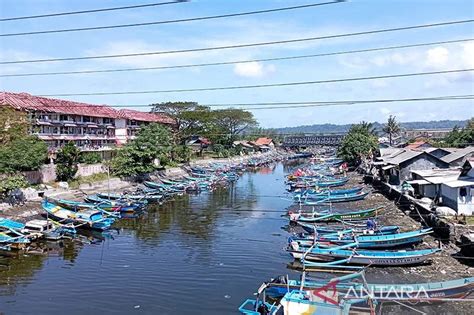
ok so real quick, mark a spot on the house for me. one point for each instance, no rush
(198, 143)
(264, 144)
(91, 127)
(459, 156)
(395, 168)
(244, 145)
(427, 183)
(426, 133)
(459, 194)
(438, 152)
(452, 187)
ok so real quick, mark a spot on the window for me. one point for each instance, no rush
(86, 119)
(463, 191)
(63, 117)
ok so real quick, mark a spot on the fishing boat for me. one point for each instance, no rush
(94, 219)
(350, 254)
(357, 230)
(319, 300)
(123, 205)
(334, 216)
(364, 240)
(419, 292)
(11, 236)
(312, 192)
(322, 199)
(77, 205)
(336, 182)
(135, 198)
(48, 229)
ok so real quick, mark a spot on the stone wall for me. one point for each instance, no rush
(47, 173)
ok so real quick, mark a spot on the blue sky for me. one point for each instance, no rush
(351, 16)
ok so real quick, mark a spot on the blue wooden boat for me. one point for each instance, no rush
(321, 199)
(320, 183)
(365, 240)
(11, 236)
(350, 254)
(163, 187)
(312, 192)
(123, 205)
(383, 230)
(77, 205)
(419, 292)
(135, 198)
(93, 219)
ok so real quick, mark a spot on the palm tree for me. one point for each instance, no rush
(368, 127)
(391, 128)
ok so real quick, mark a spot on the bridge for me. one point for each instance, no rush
(313, 140)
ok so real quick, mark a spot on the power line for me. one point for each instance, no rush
(277, 105)
(91, 11)
(202, 18)
(242, 45)
(241, 87)
(239, 61)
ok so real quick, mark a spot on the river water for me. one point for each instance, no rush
(200, 254)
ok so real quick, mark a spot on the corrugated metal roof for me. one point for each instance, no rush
(460, 183)
(403, 156)
(457, 154)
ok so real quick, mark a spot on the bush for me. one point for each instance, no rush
(90, 158)
(67, 160)
(11, 183)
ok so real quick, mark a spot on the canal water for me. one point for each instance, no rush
(200, 254)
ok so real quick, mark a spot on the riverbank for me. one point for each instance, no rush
(32, 207)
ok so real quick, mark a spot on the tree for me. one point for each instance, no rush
(19, 151)
(233, 121)
(461, 137)
(357, 144)
(391, 128)
(190, 117)
(153, 143)
(67, 159)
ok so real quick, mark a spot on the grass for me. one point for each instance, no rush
(76, 182)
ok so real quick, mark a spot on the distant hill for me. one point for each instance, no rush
(332, 128)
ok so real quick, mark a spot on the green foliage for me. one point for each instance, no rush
(67, 159)
(18, 150)
(13, 125)
(357, 144)
(391, 128)
(25, 153)
(233, 121)
(12, 182)
(461, 137)
(90, 158)
(183, 153)
(153, 142)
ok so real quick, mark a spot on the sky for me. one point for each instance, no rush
(345, 17)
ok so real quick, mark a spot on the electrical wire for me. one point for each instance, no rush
(298, 40)
(241, 87)
(90, 11)
(202, 18)
(238, 61)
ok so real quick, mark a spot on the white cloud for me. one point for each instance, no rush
(253, 69)
(437, 57)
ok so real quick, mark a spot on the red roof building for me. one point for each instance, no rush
(264, 141)
(90, 126)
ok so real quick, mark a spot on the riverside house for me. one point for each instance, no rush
(91, 127)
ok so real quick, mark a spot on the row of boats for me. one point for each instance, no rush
(346, 242)
(64, 218)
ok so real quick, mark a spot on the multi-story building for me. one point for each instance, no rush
(90, 127)
(426, 133)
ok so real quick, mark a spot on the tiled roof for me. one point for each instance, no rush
(143, 116)
(27, 102)
(263, 141)
(416, 145)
